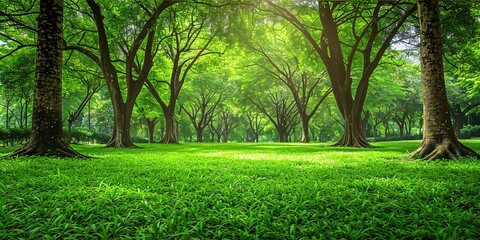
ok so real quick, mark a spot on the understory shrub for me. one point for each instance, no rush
(470, 131)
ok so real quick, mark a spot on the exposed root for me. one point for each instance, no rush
(120, 144)
(449, 150)
(62, 151)
(167, 140)
(352, 141)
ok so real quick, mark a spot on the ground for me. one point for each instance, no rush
(240, 191)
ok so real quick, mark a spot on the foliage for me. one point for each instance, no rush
(240, 191)
(81, 135)
(470, 131)
(14, 135)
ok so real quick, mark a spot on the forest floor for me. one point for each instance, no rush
(240, 191)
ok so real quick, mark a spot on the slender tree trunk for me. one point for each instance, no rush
(386, 126)
(439, 140)
(400, 131)
(69, 133)
(365, 122)
(7, 117)
(151, 128)
(47, 131)
(89, 114)
(458, 120)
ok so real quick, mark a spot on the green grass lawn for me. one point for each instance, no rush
(240, 191)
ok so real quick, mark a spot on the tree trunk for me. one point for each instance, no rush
(400, 131)
(199, 134)
(458, 120)
(89, 114)
(170, 130)
(69, 133)
(386, 126)
(365, 122)
(439, 140)
(47, 130)
(282, 135)
(151, 128)
(353, 135)
(305, 130)
(122, 114)
(7, 117)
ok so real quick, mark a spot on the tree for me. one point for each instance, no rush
(439, 140)
(201, 111)
(302, 86)
(380, 24)
(137, 38)
(281, 111)
(47, 131)
(183, 48)
(256, 125)
(90, 81)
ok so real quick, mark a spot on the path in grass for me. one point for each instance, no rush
(240, 191)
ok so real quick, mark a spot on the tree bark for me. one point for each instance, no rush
(353, 135)
(170, 130)
(151, 128)
(305, 129)
(47, 131)
(439, 140)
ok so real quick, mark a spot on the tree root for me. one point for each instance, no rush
(62, 151)
(450, 150)
(120, 144)
(167, 140)
(352, 141)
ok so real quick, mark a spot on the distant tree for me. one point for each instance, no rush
(281, 111)
(302, 86)
(136, 41)
(256, 124)
(439, 140)
(372, 26)
(201, 111)
(189, 41)
(85, 79)
(47, 131)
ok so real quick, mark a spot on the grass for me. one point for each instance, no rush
(240, 191)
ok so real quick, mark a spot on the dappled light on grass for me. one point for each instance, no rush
(264, 191)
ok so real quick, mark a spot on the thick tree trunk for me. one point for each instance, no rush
(282, 135)
(439, 140)
(199, 134)
(170, 130)
(353, 135)
(122, 114)
(305, 130)
(47, 131)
